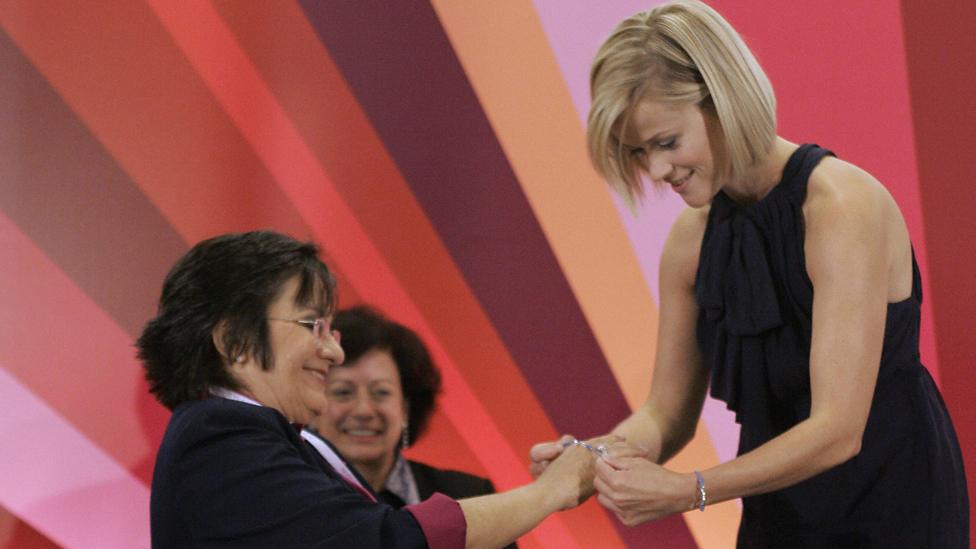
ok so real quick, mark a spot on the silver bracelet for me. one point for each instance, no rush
(599, 450)
(702, 496)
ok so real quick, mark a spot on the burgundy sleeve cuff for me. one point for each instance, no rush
(442, 522)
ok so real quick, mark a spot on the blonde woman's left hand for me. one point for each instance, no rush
(638, 490)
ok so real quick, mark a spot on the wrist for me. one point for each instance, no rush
(549, 496)
(700, 492)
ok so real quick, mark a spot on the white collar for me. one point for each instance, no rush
(229, 394)
(331, 456)
(402, 483)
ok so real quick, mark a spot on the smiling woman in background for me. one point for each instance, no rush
(239, 351)
(380, 401)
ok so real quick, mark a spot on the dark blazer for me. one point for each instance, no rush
(231, 474)
(455, 484)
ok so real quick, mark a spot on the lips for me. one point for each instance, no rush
(679, 182)
(361, 432)
(678, 185)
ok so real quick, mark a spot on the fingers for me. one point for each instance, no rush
(548, 451)
(609, 504)
(604, 468)
(617, 446)
(542, 454)
(569, 477)
(536, 468)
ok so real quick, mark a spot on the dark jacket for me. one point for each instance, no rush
(231, 474)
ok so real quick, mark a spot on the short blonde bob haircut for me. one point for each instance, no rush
(681, 51)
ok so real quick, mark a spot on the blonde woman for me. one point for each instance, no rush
(789, 287)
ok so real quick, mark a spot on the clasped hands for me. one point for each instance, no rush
(626, 481)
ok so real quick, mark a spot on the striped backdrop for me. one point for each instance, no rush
(436, 152)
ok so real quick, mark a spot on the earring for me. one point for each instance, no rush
(405, 436)
(239, 359)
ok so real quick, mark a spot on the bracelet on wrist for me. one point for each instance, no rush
(702, 496)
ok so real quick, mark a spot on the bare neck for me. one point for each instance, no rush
(764, 177)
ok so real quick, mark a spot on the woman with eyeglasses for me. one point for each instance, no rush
(240, 351)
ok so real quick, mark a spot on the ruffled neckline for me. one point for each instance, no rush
(747, 256)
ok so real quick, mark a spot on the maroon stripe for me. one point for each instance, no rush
(941, 49)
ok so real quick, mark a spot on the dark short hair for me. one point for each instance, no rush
(363, 329)
(232, 279)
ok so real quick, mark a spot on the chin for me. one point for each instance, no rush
(696, 202)
(362, 455)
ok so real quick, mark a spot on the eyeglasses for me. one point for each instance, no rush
(319, 327)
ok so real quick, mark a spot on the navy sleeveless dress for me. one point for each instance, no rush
(906, 487)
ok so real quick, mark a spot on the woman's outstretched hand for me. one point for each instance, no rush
(638, 490)
(578, 470)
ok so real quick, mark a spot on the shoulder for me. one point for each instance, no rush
(840, 194)
(853, 226)
(455, 484)
(223, 412)
(218, 420)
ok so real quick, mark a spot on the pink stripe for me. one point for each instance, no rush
(226, 70)
(59, 482)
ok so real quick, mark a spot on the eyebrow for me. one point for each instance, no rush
(656, 137)
(310, 309)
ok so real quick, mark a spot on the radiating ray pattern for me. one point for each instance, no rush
(435, 150)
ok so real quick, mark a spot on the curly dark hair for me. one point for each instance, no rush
(230, 279)
(364, 329)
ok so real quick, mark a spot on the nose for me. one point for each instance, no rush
(658, 167)
(362, 406)
(329, 350)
